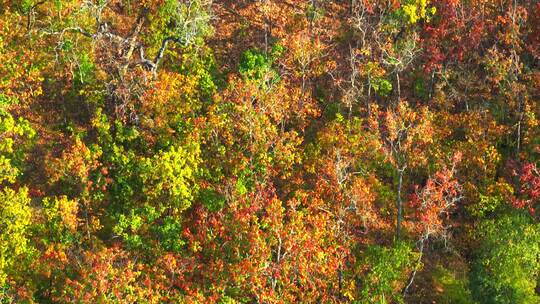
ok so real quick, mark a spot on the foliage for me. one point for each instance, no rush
(416, 10)
(382, 86)
(386, 269)
(257, 66)
(169, 177)
(506, 266)
(15, 135)
(309, 151)
(455, 289)
(15, 219)
(61, 220)
(188, 21)
(530, 188)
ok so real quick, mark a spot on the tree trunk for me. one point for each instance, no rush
(399, 205)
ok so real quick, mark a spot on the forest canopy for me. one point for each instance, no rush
(270, 151)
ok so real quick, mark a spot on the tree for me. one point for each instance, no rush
(15, 215)
(433, 204)
(212, 151)
(15, 211)
(506, 267)
(387, 268)
(529, 191)
(406, 134)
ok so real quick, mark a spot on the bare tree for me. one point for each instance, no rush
(119, 55)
